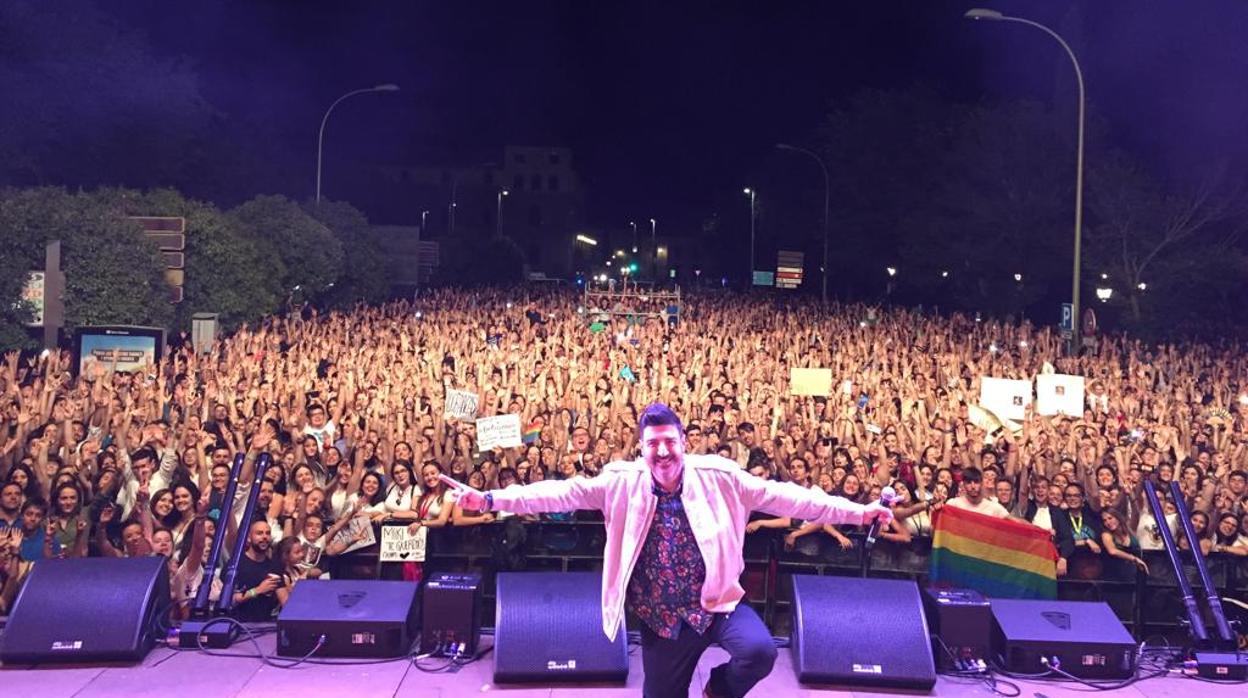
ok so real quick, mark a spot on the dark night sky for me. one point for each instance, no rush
(668, 105)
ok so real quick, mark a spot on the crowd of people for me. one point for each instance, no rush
(351, 408)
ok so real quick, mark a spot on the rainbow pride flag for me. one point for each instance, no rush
(531, 433)
(996, 557)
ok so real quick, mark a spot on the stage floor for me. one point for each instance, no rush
(168, 672)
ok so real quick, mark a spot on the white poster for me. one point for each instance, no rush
(357, 534)
(1059, 393)
(398, 544)
(502, 431)
(810, 381)
(1005, 397)
(461, 404)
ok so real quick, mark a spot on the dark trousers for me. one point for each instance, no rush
(669, 664)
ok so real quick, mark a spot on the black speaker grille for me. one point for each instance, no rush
(86, 609)
(867, 632)
(549, 628)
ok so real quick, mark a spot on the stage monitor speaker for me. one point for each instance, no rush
(357, 617)
(450, 622)
(87, 610)
(860, 632)
(961, 625)
(549, 628)
(1084, 636)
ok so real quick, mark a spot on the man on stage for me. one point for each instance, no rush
(675, 531)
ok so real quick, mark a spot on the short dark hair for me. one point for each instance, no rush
(657, 414)
(972, 475)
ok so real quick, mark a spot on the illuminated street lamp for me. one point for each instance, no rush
(980, 13)
(1104, 294)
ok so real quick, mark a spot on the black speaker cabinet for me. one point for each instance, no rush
(549, 628)
(451, 618)
(87, 609)
(961, 625)
(860, 632)
(1085, 637)
(358, 617)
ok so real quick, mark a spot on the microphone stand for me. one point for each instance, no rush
(202, 608)
(1195, 621)
(864, 565)
(1226, 639)
(195, 632)
(1217, 659)
(240, 541)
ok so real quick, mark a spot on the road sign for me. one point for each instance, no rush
(168, 233)
(1089, 322)
(1068, 320)
(789, 268)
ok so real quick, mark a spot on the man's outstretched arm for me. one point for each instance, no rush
(537, 498)
(810, 504)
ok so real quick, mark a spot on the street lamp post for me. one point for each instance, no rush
(320, 136)
(654, 252)
(827, 200)
(634, 227)
(498, 218)
(993, 15)
(749, 279)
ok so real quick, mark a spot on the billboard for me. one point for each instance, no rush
(136, 348)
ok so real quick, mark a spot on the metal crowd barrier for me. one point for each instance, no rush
(1147, 604)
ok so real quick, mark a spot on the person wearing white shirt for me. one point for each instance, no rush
(402, 493)
(972, 496)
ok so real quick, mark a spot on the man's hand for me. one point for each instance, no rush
(468, 497)
(269, 585)
(877, 512)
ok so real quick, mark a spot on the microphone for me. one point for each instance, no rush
(887, 496)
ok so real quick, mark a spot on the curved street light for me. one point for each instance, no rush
(320, 136)
(980, 13)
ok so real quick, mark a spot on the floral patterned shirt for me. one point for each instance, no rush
(666, 585)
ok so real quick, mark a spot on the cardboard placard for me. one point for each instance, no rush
(810, 381)
(398, 544)
(501, 431)
(360, 526)
(1007, 398)
(1059, 393)
(461, 404)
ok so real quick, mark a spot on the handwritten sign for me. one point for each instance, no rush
(398, 544)
(461, 404)
(357, 534)
(502, 431)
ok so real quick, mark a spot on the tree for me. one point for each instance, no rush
(1161, 248)
(304, 253)
(1000, 203)
(113, 274)
(365, 276)
(927, 185)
